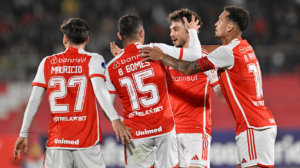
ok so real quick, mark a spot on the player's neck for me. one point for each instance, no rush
(80, 46)
(227, 39)
(127, 43)
(187, 43)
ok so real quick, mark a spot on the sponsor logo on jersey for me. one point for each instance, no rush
(80, 118)
(243, 50)
(116, 64)
(181, 78)
(66, 69)
(129, 59)
(64, 141)
(54, 60)
(74, 60)
(147, 112)
(146, 132)
(103, 65)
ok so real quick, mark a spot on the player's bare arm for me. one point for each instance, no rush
(156, 54)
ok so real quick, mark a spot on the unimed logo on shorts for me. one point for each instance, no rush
(64, 141)
(146, 132)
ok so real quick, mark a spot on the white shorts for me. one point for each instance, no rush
(256, 147)
(194, 150)
(158, 152)
(64, 158)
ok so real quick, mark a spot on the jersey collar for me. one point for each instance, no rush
(73, 50)
(236, 39)
(132, 46)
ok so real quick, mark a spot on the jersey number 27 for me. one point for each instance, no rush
(62, 92)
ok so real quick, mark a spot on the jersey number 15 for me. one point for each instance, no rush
(137, 84)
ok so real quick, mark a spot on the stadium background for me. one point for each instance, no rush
(29, 31)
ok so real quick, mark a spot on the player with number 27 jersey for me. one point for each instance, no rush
(74, 118)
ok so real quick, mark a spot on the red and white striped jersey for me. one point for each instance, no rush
(241, 83)
(74, 121)
(190, 98)
(142, 88)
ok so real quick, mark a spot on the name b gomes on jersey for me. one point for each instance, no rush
(131, 67)
(66, 69)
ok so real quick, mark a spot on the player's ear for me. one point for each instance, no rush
(119, 35)
(87, 40)
(142, 33)
(65, 39)
(230, 27)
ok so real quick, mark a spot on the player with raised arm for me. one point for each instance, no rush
(143, 92)
(190, 98)
(73, 79)
(241, 83)
(189, 95)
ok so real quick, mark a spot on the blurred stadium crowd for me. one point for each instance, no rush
(29, 29)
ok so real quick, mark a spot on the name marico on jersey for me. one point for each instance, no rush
(66, 69)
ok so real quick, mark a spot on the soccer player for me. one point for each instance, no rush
(143, 92)
(190, 99)
(73, 79)
(189, 95)
(241, 83)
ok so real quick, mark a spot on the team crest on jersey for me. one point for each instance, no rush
(54, 60)
(116, 64)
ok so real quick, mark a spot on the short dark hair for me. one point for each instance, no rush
(239, 16)
(179, 14)
(129, 26)
(77, 30)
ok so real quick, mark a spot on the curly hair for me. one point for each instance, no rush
(129, 25)
(239, 16)
(179, 14)
(77, 30)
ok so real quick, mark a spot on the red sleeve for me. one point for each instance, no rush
(181, 53)
(214, 84)
(112, 92)
(39, 84)
(97, 75)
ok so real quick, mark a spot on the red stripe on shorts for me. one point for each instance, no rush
(253, 141)
(248, 139)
